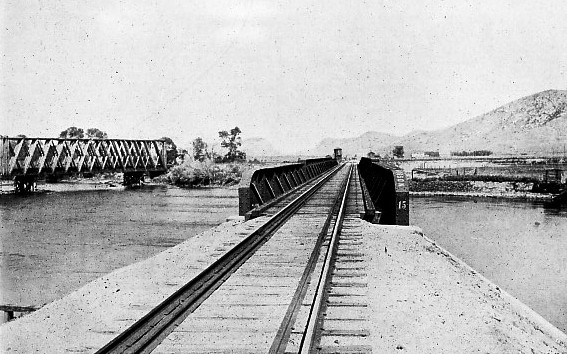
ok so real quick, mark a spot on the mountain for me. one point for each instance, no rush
(258, 147)
(536, 124)
(533, 124)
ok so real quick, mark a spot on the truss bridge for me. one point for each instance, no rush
(24, 160)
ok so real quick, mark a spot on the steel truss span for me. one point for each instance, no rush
(34, 157)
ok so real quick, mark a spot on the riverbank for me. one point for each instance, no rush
(7, 187)
(477, 189)
(191, 174)
(503, 195)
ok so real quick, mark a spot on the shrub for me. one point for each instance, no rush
(197, 173)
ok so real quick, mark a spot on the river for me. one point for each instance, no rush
(53, 243)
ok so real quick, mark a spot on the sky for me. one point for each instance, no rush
(291, 71)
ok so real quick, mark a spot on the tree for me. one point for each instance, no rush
(232, 142)
(95, 133)
(21, 136)
(181, 154)
(199, 149)
(171, 150)
(398, 152)
(72, 133)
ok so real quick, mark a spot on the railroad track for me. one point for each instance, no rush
(288, 280)
(330, 317)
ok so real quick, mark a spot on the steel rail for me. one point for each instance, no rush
(145, 334)
(308, 341)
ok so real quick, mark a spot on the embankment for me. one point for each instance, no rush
(429, 301)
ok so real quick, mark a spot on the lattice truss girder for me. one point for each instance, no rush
(48, 156)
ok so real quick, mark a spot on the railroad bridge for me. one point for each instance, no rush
(324, 263)
(24, 160)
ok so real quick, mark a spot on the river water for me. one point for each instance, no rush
(520, 246)
(53, 243)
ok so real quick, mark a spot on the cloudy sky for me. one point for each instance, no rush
(292, 71)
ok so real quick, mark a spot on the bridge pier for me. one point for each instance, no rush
(24, 184)
(133, 179)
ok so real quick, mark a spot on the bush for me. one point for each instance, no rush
(196, 173)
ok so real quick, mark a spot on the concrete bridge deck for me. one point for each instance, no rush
(395, 291)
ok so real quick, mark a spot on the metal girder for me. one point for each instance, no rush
(388, 190)
(265, 185)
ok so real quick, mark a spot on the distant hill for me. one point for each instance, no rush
(535, 124)
(258, 148)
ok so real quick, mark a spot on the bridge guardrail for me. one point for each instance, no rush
(388, 189)
(259, 188)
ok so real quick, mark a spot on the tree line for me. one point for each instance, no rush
(79, 133)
